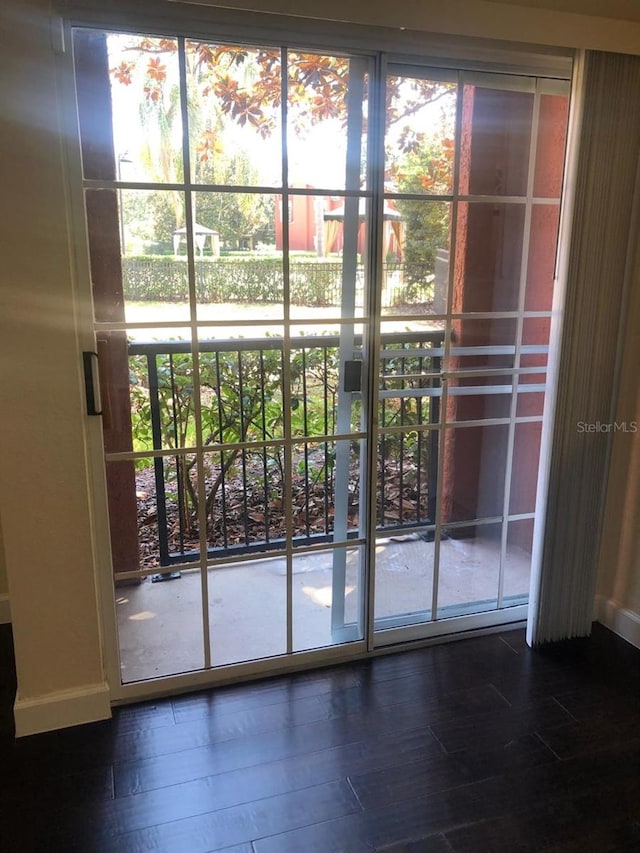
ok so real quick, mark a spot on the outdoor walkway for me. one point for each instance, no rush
(160, 624)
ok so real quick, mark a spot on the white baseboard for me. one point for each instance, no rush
(61, 709)
(625, 623)
(5, 609)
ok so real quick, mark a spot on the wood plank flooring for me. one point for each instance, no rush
(471, 747)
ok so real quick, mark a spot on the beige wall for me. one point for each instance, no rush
(626, 10)
(3, 568)
(43, 488)
(619, 575)
(44, 496)
(533, 21)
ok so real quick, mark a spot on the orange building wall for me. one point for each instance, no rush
(489, 242)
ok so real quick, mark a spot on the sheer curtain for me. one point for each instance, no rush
(594, 267)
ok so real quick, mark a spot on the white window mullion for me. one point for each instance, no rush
(444, 364)
(351, 230)
(375, 182)
(195, 355)
(286, 350)
(522, 294)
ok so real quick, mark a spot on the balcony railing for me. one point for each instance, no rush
(241, 402)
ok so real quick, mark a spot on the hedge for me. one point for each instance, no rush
(153, 278)
(164, 279)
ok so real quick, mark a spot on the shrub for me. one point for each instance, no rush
(254, 279)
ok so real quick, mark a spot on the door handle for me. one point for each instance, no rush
(92, 383)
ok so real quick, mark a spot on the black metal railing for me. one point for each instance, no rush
(242, 405)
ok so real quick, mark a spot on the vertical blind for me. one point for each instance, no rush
(604, 229)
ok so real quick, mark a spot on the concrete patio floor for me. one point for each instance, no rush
(160, 624)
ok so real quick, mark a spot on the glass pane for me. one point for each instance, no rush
(129, 107)
(244, 495)
(415, 276)
(153, 512)
(524, 471)
(160, 627)
(474, 472)
(320, 405)
(120, 420)
(469, 570)
(318, 121)
(482, 344)
(248, 611)
(241, 388)
(488, 257)
(146, 283)
(234, 114)
(409, 358)
(407, 479)
(517, 562)
(155, 276)
(533, 356)
(404, 579)
(530, 403)
(495, 141)
(417, 403)
(419, 138)
(127, 510)
(148, 401)
(552, 135)
(327, 593)
(535, 333)
(479, 398)
(161, 390)
(147, 117)
(409, 395)
(327, 246)
(543, 240)
(325, 487)
(316, 284)
(238, 246)
(105, 227)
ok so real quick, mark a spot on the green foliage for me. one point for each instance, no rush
(241, 219)
(241, 401)
(410, 451)
(426, 229)
(221, 280)
(426, 223)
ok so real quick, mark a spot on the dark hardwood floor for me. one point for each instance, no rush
(479, 745)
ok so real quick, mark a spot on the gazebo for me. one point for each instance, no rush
(392, 223)
(200, 236)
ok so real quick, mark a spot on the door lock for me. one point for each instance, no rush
(352, 376)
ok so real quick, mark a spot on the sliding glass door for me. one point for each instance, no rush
(474, 177)
(229, 262)
(321, 300)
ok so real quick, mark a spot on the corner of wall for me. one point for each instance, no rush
(623, 622)
(61, 709)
